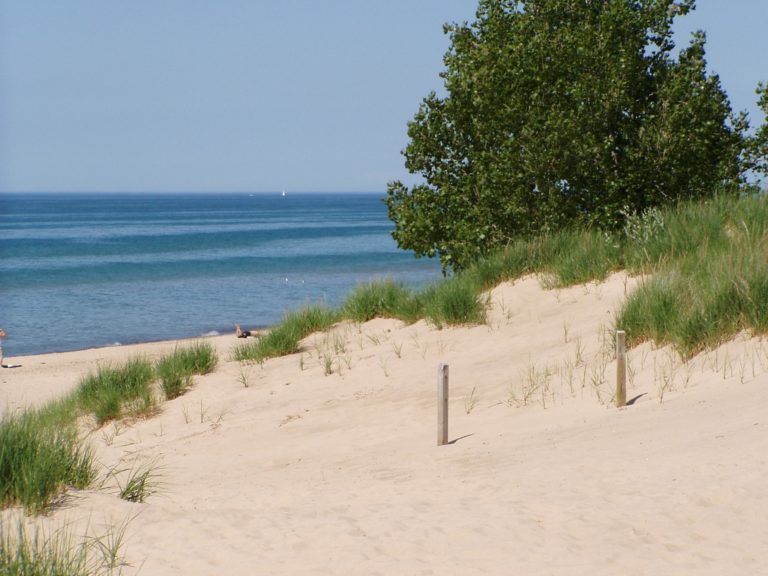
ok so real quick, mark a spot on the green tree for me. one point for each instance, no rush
(757, 154)
(562, 113)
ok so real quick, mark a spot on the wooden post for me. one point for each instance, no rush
(621, 369)
(442, 404)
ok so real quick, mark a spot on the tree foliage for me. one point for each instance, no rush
(757, 154)
(560, 113)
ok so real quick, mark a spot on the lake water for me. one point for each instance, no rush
(85, 270)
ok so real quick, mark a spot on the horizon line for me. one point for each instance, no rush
(286, 191)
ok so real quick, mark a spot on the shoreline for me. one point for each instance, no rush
(44, 377)
(8, 343)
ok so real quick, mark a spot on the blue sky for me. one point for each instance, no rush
(250, 95)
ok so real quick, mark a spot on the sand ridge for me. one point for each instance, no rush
(306, 472)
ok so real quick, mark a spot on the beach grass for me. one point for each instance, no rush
(40, 451)
(284, 338)
(381, 299)
(112, 392)
(26, 551)
(453, 302)
(174, 378)
(140, 482)
(39, 554)
(580, 256)
(707, 276)
(176, 370)
(39, 459)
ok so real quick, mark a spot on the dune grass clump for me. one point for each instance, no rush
(176, 370)
(381, 299)
(175, 378)
(138, 487)
(111, 392)
(512, 262)
(199, 357)
(690, 312)
(284, 338)
(563, 258)
(39, 459)
(453, 302)
(578, 256)
(709, 276)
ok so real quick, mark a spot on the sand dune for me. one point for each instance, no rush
(303, 472)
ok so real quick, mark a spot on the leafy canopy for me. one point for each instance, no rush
(560, 113)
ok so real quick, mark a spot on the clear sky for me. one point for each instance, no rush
(250, 95)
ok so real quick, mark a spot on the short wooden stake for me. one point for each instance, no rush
(621, 369)
(442, 404)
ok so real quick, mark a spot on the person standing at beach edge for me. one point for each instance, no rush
(2, 359)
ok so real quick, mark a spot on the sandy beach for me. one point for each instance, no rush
(282, 468)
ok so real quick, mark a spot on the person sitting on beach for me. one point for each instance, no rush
(244, 333)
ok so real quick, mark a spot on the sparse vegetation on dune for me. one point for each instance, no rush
(703, 263)
(40, 451)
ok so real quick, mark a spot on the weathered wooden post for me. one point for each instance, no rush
(442, 404)
(621, 369)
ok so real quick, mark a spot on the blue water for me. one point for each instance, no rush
(85, 270)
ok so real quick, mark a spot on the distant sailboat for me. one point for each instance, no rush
(282, 193)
